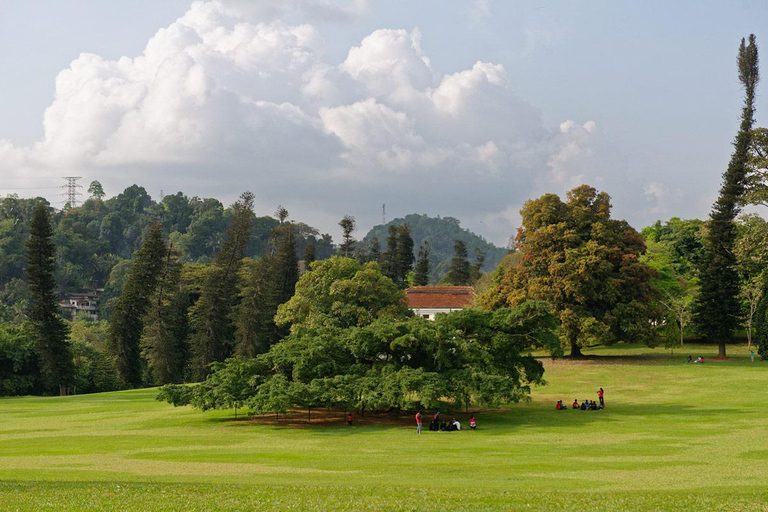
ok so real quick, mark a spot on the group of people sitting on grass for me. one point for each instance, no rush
(699, 359)
(441, 426)
(586, 405)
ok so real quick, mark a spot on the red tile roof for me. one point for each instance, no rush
(454, 297)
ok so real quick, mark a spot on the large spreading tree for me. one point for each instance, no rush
(718, 309)
(586, 265)
(48, 328)
(353, 345)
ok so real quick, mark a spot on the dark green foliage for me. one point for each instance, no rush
(285, 268)
(374, 251)
(460, 272)
(266, 284)
(165, 326)
(255, 327)
(18, 361)
(94, 368)
(127, 323)
(309, 255)
(398, 259)
(760, 322)
(405, 257)
(421, 272)
(718, 308)
(441, 234)
(213, 331)
(48, 329)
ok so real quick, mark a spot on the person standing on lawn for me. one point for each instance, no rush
(600, 396)
(418, 422)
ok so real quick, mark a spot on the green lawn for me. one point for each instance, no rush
(674, 436)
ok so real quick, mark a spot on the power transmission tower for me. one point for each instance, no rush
(71, 189)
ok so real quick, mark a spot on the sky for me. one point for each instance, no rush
(332, 107)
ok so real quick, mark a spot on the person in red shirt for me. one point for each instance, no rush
(600, 396)
(349, 419)
(418, 423)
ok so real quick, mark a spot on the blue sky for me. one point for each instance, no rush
(656, 80)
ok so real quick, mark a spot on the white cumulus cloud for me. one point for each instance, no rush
(231, 96)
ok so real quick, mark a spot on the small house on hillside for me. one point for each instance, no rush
(428, 301)
(82, 304)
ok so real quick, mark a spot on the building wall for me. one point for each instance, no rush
(429, 313)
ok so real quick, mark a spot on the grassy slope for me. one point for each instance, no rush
(674, 437)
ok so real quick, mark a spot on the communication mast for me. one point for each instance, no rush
(71, 189)
(384, 213)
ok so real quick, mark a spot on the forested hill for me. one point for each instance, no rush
(441, 233)
(96, 236)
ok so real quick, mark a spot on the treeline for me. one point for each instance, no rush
(96, 240)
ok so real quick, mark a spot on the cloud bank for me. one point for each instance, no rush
(232, 97)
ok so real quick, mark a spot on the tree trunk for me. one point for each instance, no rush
(62, 390)
(576, 351)
(309, 414)
(721, 351)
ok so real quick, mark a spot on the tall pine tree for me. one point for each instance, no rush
(127, 323)
(421, 272)
(718, 307)
(163, 339)
(389, 258)
(213, 331)
(404, 254)
(48, 328)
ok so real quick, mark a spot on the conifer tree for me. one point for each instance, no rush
(285, 266)
(211, 317)
(718, 307)
(309, 255)
(374, 253)
(389, 258)
(421, 271)
(404, 254)
(347, 247)
(163, 338)
(459, 272)
(127, 324)
(48, 328)
(255, 312)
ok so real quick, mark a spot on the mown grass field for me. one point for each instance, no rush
(674, 436)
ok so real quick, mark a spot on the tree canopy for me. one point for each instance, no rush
(586, 265)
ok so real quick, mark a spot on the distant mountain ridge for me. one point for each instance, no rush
(441, 233)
